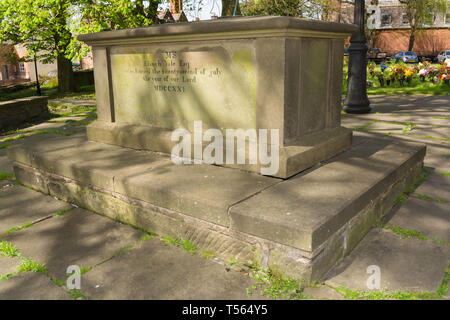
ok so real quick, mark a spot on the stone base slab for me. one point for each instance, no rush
(295, 157)
(301, 226)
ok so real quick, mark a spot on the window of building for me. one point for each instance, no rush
(405, 20)
(22, 67)
(19, 48)
(386, 20)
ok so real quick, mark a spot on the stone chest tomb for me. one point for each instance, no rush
(274, 73)
(237, 73)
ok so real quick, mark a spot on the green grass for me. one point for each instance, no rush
(185, 244)
(208, 254)
(407, 233)
(435, 138)
(445, 174)
(276, 286)
(51, 91)
(415, 87)
(4, 145)
(428, 198)
(14, 229)
(384, 295)
(61, 212)
(32, 266)
(6, 276)
(35, 133)
(5, 176)
(7, 249)
(77, 294)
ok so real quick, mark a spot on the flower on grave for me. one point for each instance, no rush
(444, 77)
(423, 72)
(383, 66)
(409, 74)
(369, 83)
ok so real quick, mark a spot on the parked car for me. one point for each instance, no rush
(376, 55)
(405, 56)
(443, 55)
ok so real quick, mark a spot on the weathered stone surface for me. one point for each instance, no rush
(168, 77)
(77, 238)
(322, 293)
(144, 198)
(31, 286)
(405, 264)
(19, 205)
(203, 191)
(436, 186)
(8, 265)
(307, 209)
(5, 164)
(157, 271)
(429, 217)
(19, 111)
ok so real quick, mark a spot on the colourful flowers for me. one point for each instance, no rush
(390, 72)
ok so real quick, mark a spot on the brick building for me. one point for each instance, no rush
(394, 31)
(12, 71)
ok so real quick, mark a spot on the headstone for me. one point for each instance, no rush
(273, 73)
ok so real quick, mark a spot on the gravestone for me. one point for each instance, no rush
(238, 73)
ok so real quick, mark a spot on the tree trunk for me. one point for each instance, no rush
(65, 74)
(411, 39)
(228, 8)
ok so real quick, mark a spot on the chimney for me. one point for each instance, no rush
(176, 6)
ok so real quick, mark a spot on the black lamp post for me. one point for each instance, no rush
(38, 87)
(356, 100)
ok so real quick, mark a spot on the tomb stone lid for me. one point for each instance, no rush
(225, 28)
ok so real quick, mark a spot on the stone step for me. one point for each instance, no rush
(301, 225)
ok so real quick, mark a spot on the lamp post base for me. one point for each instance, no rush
(358, 109)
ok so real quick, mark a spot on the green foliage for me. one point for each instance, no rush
(7, 249)
(384, 295)
(77, 294)
(276, 285)
(5, 175)
(61, 212)
(31, 265)
(14, 229)
(315, 9)
(208, 254)
(185, 244)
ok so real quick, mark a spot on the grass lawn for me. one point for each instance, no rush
(415, 87)
(51, 91)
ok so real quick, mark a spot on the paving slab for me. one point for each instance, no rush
(405, 264)
(5, 163)
(20, 205)
(158, 271)
(8, 265)
(429, 217)
(31, 286)
(73, 102)
(78, 237)
(438, 162)
(436, 186)
(323, 293)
